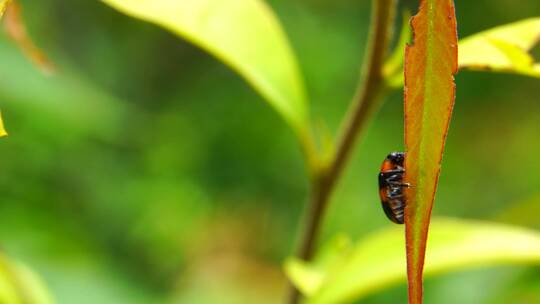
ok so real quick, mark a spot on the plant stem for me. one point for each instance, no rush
(371, 88)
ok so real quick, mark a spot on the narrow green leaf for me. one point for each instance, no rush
(377, 261)
(503, 49)
(244, 34)
(430, 65)
(3, 6)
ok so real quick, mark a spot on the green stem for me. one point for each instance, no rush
(371, 89)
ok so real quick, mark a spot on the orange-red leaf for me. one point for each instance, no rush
(430, 64)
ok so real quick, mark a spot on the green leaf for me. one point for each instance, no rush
(3, 6)
(430, 65)
(2, 129)
(244, 34)
(503, 49)
(309, 279)
(20, 285)
(377, 261)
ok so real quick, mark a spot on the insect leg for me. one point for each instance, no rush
(398, 184)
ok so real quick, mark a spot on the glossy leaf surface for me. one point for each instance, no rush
(231, 30)
(503, 49)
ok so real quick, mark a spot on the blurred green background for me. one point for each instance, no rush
(146, 171)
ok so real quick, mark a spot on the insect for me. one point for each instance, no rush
(391, 187)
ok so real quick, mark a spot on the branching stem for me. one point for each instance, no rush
(371, 87)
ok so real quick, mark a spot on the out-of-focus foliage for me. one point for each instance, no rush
(503, 49)
(2, 130)
(244, 34)
(3, 5)
(378, 261)
(16, 29)
(522, 212)
(20, 285)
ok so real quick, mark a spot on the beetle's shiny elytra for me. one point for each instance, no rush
(391, 187)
